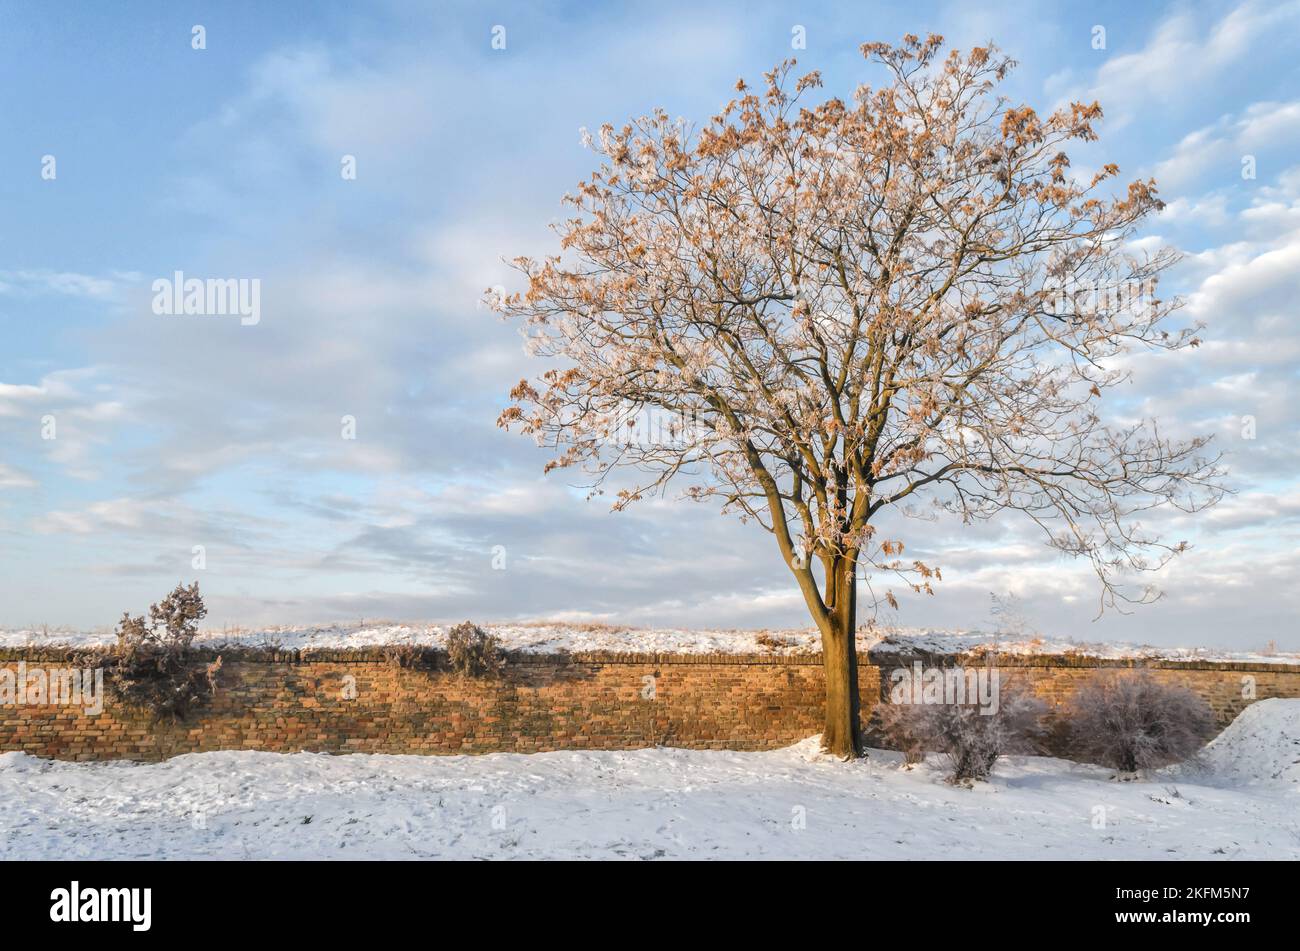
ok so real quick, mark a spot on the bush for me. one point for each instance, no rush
(1134, 722)
(473, 652)
(407, 656)
(901, 728)
(151, 667)
(773, 642)
(970, 739)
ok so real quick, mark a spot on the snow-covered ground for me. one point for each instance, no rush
(1242, 803)
(548, 637)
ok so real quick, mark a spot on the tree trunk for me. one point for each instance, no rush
(842, 735)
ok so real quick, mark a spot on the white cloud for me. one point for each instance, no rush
(11, 478)
(66, 283)
(1183, 57)
(1221, 147)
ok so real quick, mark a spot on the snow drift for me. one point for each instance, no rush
(1262, 745)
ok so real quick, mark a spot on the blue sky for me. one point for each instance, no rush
(225, 162)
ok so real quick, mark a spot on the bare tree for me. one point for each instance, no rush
(846, 306)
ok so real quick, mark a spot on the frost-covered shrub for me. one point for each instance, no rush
(970, 737)
(151, 666)
(474, 653)
(973, 740)
(1133, 722)
(406, 656)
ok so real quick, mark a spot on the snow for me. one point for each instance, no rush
(957, 642)
(530, 637)
(654, 804)
(544, 637)
(1261, 746)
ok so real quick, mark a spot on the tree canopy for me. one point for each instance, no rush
(848, 306)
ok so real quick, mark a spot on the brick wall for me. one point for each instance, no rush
(359, 701)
